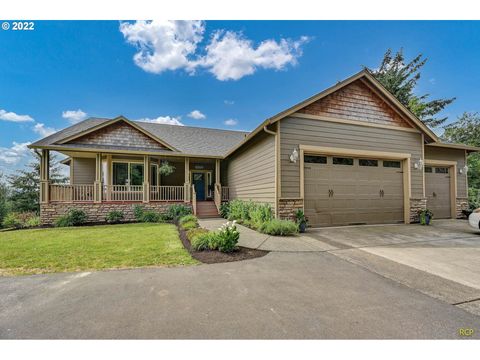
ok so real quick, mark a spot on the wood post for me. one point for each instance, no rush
(44, 176)
(97, 186)
(109, 177)
(146, 178)
(217, 172)
(187, 180)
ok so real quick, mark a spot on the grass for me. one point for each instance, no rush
(91, 248)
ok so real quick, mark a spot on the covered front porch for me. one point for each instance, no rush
(135, 178)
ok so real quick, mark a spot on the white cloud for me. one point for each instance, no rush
(164, 45)
(231, 56)
(228, 102)
(172, 45)
(43, 130)
(231, 122)
(14, 154)
(74, 116)
(11, 116)
(169, 120)
(197, 115)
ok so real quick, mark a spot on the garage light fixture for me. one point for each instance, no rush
(418, 165)
(294, 155)
(463, 170)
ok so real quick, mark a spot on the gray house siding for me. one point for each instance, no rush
(251, 171)
(436, 153)
(295, 131)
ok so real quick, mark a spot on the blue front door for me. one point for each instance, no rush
(199, 183)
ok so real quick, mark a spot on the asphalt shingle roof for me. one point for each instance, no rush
(186, 139)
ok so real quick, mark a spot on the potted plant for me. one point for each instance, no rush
(301, 220)
(425, 216)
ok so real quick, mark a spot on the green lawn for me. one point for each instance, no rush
(91, 248)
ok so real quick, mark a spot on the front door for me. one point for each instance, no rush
(199, 183)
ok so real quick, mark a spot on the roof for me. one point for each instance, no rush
(363, 75)
(189, 140)
(468, 148)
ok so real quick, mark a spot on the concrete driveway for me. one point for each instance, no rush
(313, 295)
(446, 256)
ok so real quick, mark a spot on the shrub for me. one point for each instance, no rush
(138, 211)
(225, 210)
(176, 211)
(12, 220)
(240, 210)
(260, 213)
(189, 225)
(74, 217)
(33, 221)
(204, 241)
(114, 217)
(187, 218)
(193, 233)
(227, 237)
(150, 216)
(279, 227)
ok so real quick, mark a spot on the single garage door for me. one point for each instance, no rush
(437, 191)
(344, 190)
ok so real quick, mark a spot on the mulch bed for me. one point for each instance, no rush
(213, 256)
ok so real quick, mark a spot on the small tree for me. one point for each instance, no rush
(400, 78)
(25, 185)
(3, 199)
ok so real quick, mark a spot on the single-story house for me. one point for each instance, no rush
(351, 154)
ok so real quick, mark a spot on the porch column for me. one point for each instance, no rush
(217, 172)
(44, 177)
(146, 178)
(97, 186)
(108, 177)
(186, 184)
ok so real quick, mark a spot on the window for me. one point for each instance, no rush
(120, 173)
(153, 175)
(391, 164)
(441, 170)
(428, 169)
(136, 174)
(367, 162)
(311, 159)
(342, 161)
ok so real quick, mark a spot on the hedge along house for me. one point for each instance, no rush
(351, 154)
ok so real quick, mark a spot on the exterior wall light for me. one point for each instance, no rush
(418, 165)
(463, 170)
(294, 155)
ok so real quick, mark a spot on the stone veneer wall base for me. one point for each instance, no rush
(416, 204)
(462, 204)
(288, 207)
(96, 212)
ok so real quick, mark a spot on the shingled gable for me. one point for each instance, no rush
(364, 90)
(118, 132)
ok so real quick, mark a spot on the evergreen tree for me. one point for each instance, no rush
(400, 78)
(3, 199)
(25, 185)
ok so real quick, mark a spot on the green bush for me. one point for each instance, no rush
(150, 217)
(189, 225)
(204, 241)
(114, 217)
(240, 210)
(138, 211)
(260, 213)
(227, 237)
(249, 213)
(225, 210)
(74, 217)
(12, 220)
(176, 211)
(187, 218)
(33, 221)
(193, 233)
(279, 227)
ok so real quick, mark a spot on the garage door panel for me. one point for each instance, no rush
(356, 197)
(437, 191)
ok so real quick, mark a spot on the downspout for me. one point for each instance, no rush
(269, 131)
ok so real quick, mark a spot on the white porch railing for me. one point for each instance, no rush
(122, 193)
(71, 193)
(225, 193)
(167, 193)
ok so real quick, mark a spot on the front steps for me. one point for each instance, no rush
(206, 209)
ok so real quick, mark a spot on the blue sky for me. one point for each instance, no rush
(234, 73)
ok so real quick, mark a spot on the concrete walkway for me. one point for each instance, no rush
(254, 240)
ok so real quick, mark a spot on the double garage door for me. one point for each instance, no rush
(347, 190)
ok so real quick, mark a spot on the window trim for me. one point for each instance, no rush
(125, 162)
